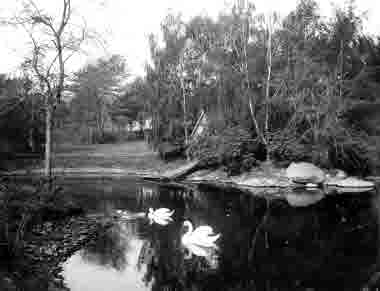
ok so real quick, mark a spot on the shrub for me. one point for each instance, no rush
(21, 209)
(169, 151)
(105, 137)
(232, 148)
(355, 153)
(337, 147)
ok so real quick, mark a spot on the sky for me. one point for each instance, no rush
(126, 24)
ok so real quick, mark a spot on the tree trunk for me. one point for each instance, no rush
(184, 109)
(185, 115)
(31, 140)
(48, 134)
(185, 119)
(89, 139)
(219, 99)
(31, 129)
(341, 58)
(267, 89)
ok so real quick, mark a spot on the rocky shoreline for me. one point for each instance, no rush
(297, 175)
(263, 176)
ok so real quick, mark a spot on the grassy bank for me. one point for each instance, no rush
(130, 157)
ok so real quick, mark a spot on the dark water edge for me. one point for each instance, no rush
(266, 244)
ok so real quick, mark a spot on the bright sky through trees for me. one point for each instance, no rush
(125, 25)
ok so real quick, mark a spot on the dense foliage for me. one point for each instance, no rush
(232, 147)
(94, 89)
(291, 84)
(23, 207)
(21, 117)
(301, 87)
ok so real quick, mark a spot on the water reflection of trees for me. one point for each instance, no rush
(268, 244)
(168, 264)
(313, 245)
(373, 273)
(111, 246)
(170, 196)
(167, 267)
(265, 245)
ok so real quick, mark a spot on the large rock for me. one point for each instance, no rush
(340, 174)
(348, 185)
(332, 181)
(352, 182)
(305, 173)
(348, 190)
(264, 182)
(334, 177)
(267, 177)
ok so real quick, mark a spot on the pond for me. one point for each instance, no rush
(265, 243)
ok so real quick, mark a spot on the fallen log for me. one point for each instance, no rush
(180, 172)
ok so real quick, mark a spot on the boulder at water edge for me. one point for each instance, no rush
(352, 182)
(351, 190)
(340, 174)
(305, 173)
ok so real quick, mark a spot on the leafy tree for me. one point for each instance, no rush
(292, 83)
(132, 104)
(95, 88)
(163, 81)
(19, 118)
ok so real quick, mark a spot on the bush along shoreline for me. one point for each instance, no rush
(232, 156)
(269, 175)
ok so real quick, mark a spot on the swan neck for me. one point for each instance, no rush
(190, 228)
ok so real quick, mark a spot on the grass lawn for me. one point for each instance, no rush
(134, 156)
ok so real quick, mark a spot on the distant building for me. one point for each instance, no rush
(147, 124)
(137, 126)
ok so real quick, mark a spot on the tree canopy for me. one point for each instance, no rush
(95, 88)
(288, 81)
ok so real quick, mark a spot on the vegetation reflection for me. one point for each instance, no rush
(265, 243)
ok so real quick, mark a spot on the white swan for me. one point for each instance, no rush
(201, 236)
(161, 216)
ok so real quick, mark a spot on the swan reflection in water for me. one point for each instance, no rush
(210, 254)
(162, 216)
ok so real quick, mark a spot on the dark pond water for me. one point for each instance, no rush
(265, 243)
